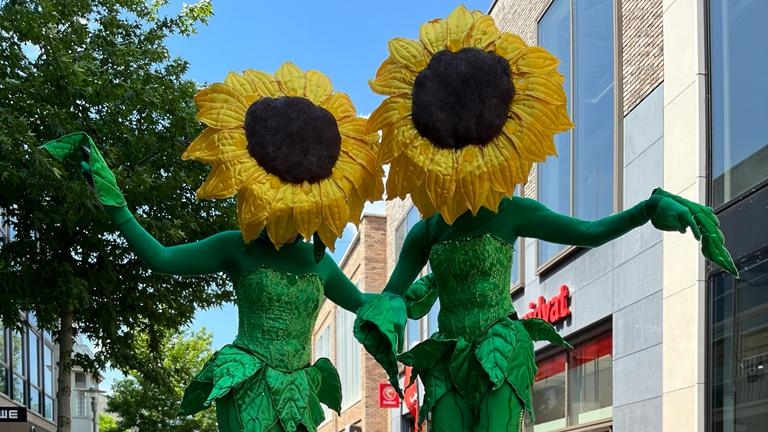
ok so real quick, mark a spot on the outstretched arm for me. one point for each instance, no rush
(534, 220)
(206, 256)
(210, 255)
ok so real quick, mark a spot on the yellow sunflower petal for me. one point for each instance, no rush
(434, 35)
(246, 87)
(388, 113)
(339, 105)
(221, 106)
(526, 140)
(441, 179)
(281, 226)
(483, 33)
(457, 26)
(227, 177)
(353, 127)
(404, 177)
(409, 53)
(253, 209)
(366, 180)
(393, 79)
(493, 199)
(540, 87)
(291, 79)
(317, 87)
(473, 176)
(307, 209)
(502, 177)
(402, 135)
(227, 144)
(421, 199)
(335, 210)
(264, 83)
(535, 60)
(510, 46)
(516, 163)
(328, 236)
(361, 155)
(199, 143)
(535, 113)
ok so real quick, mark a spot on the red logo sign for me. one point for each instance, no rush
(388, 397)
(552, 311)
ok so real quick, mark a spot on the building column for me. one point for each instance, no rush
(684, 295)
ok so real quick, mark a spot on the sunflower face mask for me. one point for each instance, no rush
(469, 110)
(293, 151)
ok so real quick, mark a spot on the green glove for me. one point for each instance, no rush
(79, 147)
(675, 213)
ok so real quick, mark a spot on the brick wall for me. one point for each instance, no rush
(642, 40)
(364, 264)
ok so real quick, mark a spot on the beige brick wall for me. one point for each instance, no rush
(365, 264)
(642, 41)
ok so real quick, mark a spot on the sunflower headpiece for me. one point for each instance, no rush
(469, 110)
(292, 149)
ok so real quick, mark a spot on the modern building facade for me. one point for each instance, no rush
(364, 263)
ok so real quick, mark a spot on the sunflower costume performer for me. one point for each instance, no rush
(469, 109)
(301, 165)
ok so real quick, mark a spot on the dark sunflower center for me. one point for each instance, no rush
(462, 98)
(292, 138)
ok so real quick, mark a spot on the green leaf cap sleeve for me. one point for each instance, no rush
(540, 330)
(379, 328)
(712, 240)
(80, 148)
(420, 297)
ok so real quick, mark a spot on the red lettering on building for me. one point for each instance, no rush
(552, 311)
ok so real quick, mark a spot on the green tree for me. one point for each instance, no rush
(99, 66)
(108, 423)
(151, 405)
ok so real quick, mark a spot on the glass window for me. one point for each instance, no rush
(411, 218)
(48, 370)
(413, 333)
(49, 408)
(738, 352)
(739, 97)
(17, 352)
(576, 387)
(34, 358)
(548, 394)
(348, 358)
(590, 380)
(515, 276)
(4, 372)
(579, 182)
(323, 350)
(432, 318)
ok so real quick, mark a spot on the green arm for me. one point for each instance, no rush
(210, 255)
(534, 220)
(204, 257)
(413, 258)
(338, 288)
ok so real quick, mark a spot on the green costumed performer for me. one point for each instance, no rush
(299, 160)
(469, 110)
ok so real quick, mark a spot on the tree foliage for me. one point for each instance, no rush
(152, 405)
(99, 66)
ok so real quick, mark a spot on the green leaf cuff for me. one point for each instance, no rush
(79, 147)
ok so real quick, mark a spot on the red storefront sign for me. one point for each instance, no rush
(388, 397)
(411, 395)
(552, 311)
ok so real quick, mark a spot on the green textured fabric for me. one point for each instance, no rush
(420, 297)
(278, 311)
(379, 327)
(79, 147)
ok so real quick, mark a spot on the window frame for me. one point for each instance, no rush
(594, 332)
(567, 251)
(344, 333)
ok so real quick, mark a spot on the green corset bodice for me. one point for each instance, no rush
(277, 312)
(472, 278)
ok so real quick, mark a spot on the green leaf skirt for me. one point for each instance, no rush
(254, 396)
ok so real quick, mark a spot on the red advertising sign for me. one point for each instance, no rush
(552, 311)
(411, 395)
(388, 397)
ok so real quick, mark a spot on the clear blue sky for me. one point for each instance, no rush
(346, 40)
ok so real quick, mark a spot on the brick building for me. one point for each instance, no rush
(365, 264)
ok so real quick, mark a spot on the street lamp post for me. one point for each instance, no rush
(94, 392)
